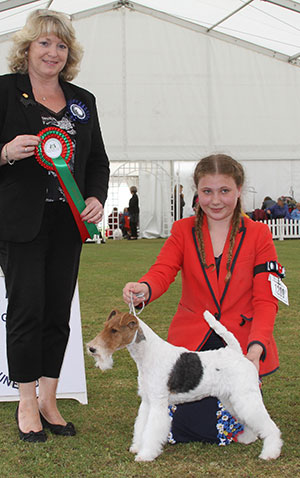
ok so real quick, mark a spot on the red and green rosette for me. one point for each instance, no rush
(53, 153)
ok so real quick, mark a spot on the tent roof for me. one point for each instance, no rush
(270, 26)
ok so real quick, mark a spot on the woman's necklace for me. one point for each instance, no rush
(39, 97)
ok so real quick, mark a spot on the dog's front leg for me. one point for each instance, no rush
(139, 426)
(156, 431)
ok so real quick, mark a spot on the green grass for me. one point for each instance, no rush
(100, 449)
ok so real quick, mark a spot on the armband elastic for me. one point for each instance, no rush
(270, 266)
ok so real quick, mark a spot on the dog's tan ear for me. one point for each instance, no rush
(113, 312)
(132, 324)
(129, 320)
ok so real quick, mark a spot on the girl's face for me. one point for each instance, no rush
(218, 195)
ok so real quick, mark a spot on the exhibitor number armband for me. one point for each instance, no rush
(276, 273)
(270, 266)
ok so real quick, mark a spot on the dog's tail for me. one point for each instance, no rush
(222, 331)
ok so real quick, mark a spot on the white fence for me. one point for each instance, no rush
(280, 228)
(284, 228)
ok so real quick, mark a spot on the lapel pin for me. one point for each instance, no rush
(26, 101)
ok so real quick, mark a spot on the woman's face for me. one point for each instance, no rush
(218, 195)
(47, 56)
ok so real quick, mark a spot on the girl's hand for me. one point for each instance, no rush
(139, 293)
(254, 354)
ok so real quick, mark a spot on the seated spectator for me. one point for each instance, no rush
(279, 210)
(295, 214)
(291, 203)
(267, 203)
(259, 215)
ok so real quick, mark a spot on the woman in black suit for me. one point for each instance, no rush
(40, 243)
(134, 212)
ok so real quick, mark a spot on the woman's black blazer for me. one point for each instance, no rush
(23, 185)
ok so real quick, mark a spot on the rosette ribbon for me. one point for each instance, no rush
(53, 153)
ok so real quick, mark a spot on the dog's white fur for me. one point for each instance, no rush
(227, 374)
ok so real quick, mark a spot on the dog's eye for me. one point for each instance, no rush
(114, 331)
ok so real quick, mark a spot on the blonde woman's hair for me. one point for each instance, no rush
(227, 166)
(38, 23)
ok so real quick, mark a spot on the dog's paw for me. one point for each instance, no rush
(271, 449)
(142, 458)
(269, 456)
(134, 449)
(145, 457)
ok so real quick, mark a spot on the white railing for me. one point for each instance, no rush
(284, 228)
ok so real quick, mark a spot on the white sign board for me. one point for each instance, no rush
(72, 382)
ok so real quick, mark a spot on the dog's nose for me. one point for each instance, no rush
(92, 350)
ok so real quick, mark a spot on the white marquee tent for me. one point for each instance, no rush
(176, 80)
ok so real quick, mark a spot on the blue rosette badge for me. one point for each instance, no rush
(78, 111)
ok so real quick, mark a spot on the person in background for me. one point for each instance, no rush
(279, 210)
(125, 223)
(195, 201)
(134, 212)
(40, 243)
(266, 204)
(181, 202)
(295, 214)
(223, 257)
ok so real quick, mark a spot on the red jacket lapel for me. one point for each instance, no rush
(217, 284)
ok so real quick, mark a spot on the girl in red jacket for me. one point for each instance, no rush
(224, 259)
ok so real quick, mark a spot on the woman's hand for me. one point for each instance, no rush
(254, 354)
(139, 293)
(21, 147)
(93, 211)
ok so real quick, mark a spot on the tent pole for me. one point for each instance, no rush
(230, 15)
(290, 5)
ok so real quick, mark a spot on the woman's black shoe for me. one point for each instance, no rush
(33, 437)
(67, 430)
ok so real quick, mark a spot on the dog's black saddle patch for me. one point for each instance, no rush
(186, 373)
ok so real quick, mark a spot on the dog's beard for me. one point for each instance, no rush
(104, 362)
(103, 357)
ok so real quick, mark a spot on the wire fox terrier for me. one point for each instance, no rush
(169, 375)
